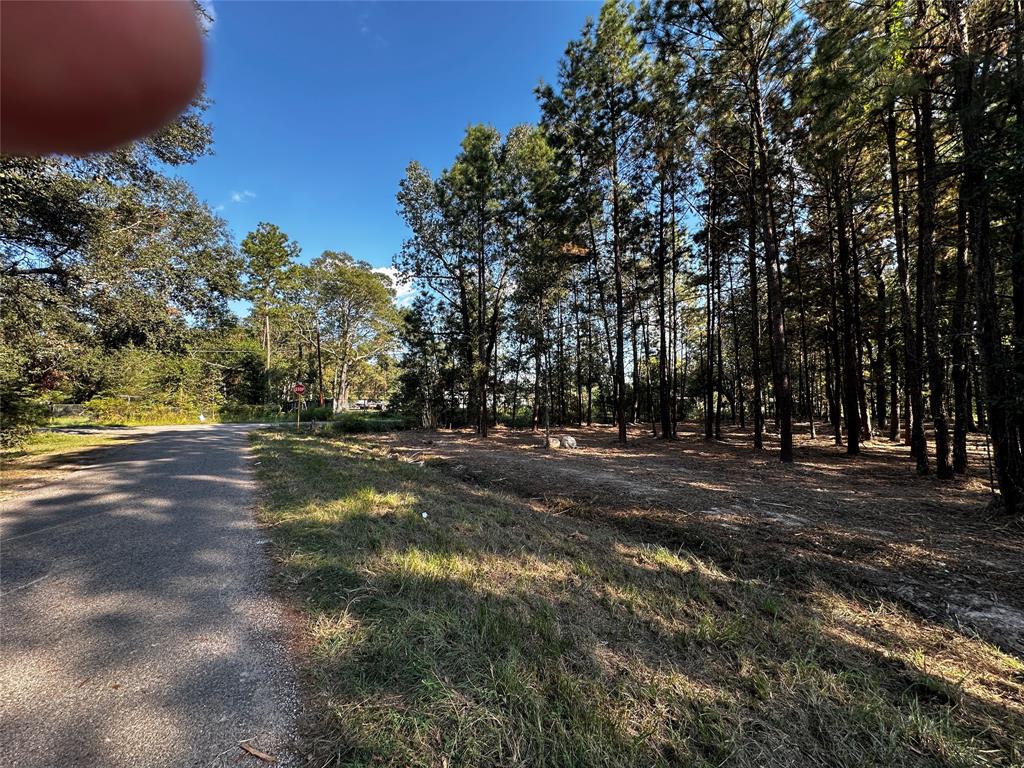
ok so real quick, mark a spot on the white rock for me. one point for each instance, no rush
(567, 441)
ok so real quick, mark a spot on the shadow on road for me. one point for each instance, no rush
(135, 627)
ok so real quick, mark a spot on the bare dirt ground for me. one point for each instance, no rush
(866, 523)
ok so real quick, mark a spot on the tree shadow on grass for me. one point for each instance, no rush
(491, 633)
(869, 521)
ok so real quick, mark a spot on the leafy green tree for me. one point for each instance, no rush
(593, 116)
(270, 270)
(101, 252)
(421, 382)
(346, 312)
(458, 248)
(540, 229)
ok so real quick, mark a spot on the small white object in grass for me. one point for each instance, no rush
(202, 418)
(424, 515)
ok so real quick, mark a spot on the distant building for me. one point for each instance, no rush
(369, 405)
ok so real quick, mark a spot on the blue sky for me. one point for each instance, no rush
(319, 106)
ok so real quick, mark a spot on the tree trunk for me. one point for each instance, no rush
(537, 362)
(1017, 238)
(719, 385)
(343, 386)
(881, 339)
(577, 333)
(894, 390)
(851, 405)
(481, 335)
(755, 317)
(961, 344)
(926, 183)
(832, 397)
(834, 342)
(858, 326)
(620, 309)
(805, 373)
(780, 369)
(978, 390)
(674, 396)
(970, 104)
(319, 366)
(709, 310)
(515, 382)
(336, 392)
(634, 340)
(664, 411)
(911, 370)
(738, 401)
(266, 346)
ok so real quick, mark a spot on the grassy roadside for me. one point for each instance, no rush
(165, 421)
(45, 453)
(491, 632)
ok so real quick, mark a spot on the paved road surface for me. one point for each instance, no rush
(135, 629)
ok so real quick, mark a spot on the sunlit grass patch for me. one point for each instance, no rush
(447, 624)
(45, 452)
(49, 442)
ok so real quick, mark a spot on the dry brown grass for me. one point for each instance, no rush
(48, 454)
(869, 520)
(513, 628)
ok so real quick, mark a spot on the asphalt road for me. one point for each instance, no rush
(135, 624)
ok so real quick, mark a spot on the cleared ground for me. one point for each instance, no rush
(468, 602)
(865, 520)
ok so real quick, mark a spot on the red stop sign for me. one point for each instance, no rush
(299, 389)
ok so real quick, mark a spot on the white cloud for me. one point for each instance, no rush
(404, 290)
(241, 197)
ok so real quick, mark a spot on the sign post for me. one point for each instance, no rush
(299, 389)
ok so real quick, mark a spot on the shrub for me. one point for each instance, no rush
(144, 386)
(316, 413)
(19, 415)
(350, 422)
(239, 413)
(122, 410)
(523, 418)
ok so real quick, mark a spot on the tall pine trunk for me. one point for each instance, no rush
(881, 340)
(851, 405)
(769, 236)
(620, 309)
(664, 411)
(961, 344)
(999, 394)
(756, 405)
(926, 265)
(911, 369)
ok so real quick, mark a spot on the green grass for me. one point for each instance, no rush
(48, 443)
(151, 420)
(76, 421)
(496, 633)
(356, 422)
(42, 455)
(348, 422)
